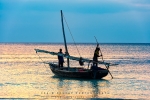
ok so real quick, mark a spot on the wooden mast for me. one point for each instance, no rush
(64, 37)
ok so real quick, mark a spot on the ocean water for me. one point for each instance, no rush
(24, 75)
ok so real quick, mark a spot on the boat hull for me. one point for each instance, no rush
(78, 72)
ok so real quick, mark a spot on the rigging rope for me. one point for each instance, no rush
(42, 61)
(72, 36)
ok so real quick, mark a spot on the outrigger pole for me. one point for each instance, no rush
(107, 66)
(64, 38)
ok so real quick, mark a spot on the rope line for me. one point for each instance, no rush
(42, 61)
(71, 36)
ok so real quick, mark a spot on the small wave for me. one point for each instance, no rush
(124, 78)
(16, 84)
(1, 84)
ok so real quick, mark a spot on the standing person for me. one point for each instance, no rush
(60, 59)
(96, 55)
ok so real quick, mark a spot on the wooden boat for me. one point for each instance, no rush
(76, 72)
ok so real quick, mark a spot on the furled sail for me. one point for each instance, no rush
(74, 58)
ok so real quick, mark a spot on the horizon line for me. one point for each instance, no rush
(68, 43)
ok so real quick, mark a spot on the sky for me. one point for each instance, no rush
(111, 21)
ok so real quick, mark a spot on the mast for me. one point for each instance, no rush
(64, 37)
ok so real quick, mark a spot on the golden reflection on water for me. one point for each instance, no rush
(23, 75)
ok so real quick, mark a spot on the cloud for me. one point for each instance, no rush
(77, 6)
(23, 20)
(85, 6)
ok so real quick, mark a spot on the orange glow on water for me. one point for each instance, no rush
(23, 75)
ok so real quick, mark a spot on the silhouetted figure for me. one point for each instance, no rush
(60, 59)
(96, 55)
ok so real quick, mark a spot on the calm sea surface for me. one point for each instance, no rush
(23, 75)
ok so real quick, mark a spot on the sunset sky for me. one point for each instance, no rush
(111, 21)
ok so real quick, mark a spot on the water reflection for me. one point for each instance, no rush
(24, 75)
(81, 88)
